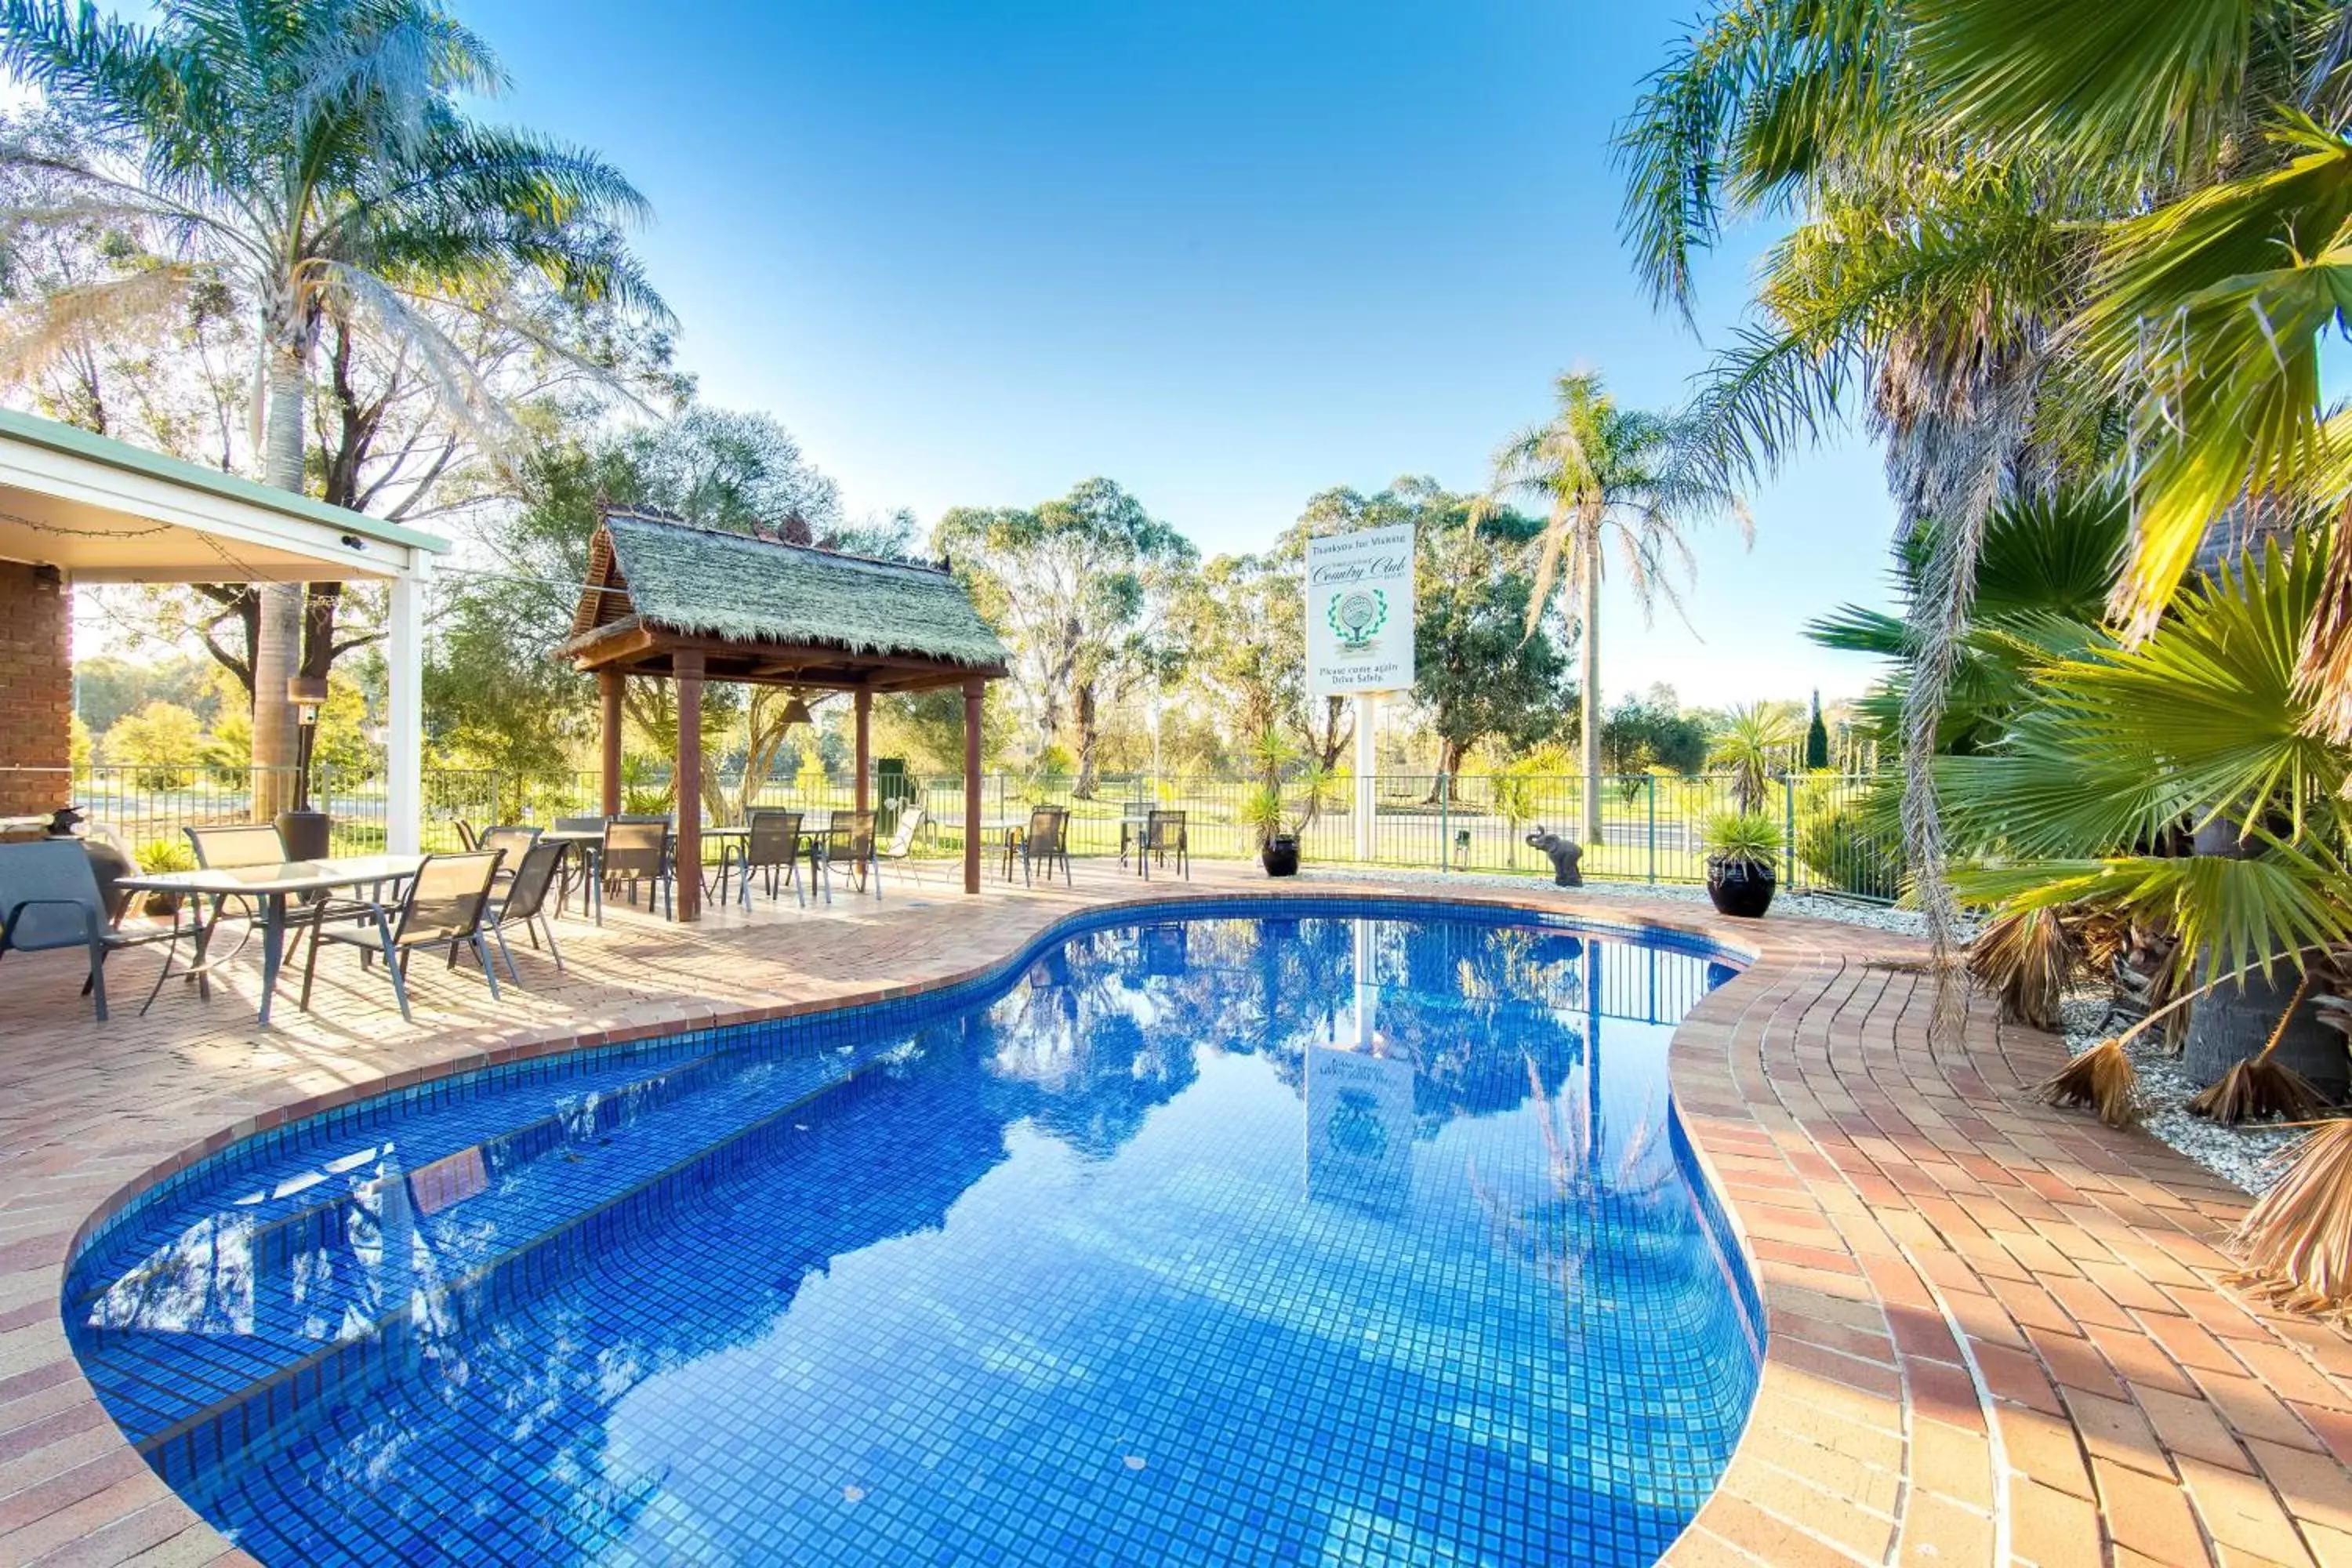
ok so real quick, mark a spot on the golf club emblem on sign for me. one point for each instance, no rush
(1357, 617)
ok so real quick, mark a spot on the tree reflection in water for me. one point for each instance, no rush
(770, 1168)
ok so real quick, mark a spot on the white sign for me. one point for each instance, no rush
(1360, 612)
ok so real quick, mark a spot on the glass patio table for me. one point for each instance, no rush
(272, 889)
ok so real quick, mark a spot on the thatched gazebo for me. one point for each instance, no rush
(691, 604)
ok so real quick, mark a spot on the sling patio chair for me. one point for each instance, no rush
(521, 901)
(850, 839)
(1047, 839)
(772, 846)
(443, 907)
(513, 842)
(900, 845)
(636, 849)
(1164, 835)
(50, 901)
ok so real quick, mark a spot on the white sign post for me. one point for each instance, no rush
(1359, 636)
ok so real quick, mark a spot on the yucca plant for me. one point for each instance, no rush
(1743, 838)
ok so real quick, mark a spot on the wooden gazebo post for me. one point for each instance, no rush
(608, 685)
(973, 690)
(686, 869)
(865, 703)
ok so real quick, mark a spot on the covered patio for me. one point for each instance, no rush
(671, 601)
(78, 508)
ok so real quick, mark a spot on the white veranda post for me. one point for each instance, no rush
(403, 793)
(1368, 707)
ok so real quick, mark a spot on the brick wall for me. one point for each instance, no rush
(36, 689)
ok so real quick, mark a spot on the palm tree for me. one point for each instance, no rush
(1924, 288)
(1607, 475)
(1755, 739)
(2206, 314)
(310, 154)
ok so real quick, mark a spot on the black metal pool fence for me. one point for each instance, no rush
(1843, 835)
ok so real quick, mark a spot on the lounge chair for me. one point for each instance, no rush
(444, 906)
(50, 901)
(901, 846)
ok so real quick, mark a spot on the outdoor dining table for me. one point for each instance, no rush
(1011, 829)
(272, 887)
(590, 841)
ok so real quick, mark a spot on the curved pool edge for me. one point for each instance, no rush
(1862, 1364)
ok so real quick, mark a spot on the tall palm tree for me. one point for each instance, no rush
(2205, 313)
(1923, 290)
(1606, 476)
(310, 155)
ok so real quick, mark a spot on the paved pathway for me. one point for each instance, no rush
(1998, 1332)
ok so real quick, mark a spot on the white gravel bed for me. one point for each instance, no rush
(2241, 1155)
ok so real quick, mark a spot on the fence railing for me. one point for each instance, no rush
(1840, 839)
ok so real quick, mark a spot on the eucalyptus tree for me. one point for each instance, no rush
(1081, 586)
(311, 156)
(1609, 477)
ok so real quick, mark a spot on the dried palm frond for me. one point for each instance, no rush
(2296, 1242)
(2259, 1086)
(2255, 1089)
(2102, 1078)
(2026, 958)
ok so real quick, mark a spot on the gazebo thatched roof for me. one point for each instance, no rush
(761, 610)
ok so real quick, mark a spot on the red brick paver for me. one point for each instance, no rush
(1998, 1332)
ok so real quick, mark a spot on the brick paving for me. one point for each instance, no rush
(1999, 1333)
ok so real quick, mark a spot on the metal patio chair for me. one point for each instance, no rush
(50, 899)
(901, 846)
(443, 907)
(523, 902)
(1164, 835)
(514, 842)
(636, 849)
(850, 839)
(774, 846)
(1047, 839)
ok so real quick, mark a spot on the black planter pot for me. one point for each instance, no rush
(1280, 856)
(1740, 888)
(309, 835)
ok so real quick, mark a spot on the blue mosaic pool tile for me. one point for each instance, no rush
(1072, 1263)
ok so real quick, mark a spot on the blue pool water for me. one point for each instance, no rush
(1363, 1234)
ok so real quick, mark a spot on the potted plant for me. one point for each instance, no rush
(156, 856)
(1742, 847)
(1277, 846)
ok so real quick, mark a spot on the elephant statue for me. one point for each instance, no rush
(1565, 853)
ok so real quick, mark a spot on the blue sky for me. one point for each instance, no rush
(1226, 254)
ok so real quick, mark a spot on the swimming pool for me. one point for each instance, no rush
(1308, 1231)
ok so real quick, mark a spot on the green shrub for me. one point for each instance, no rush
(1845, 849)
(160, 855)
